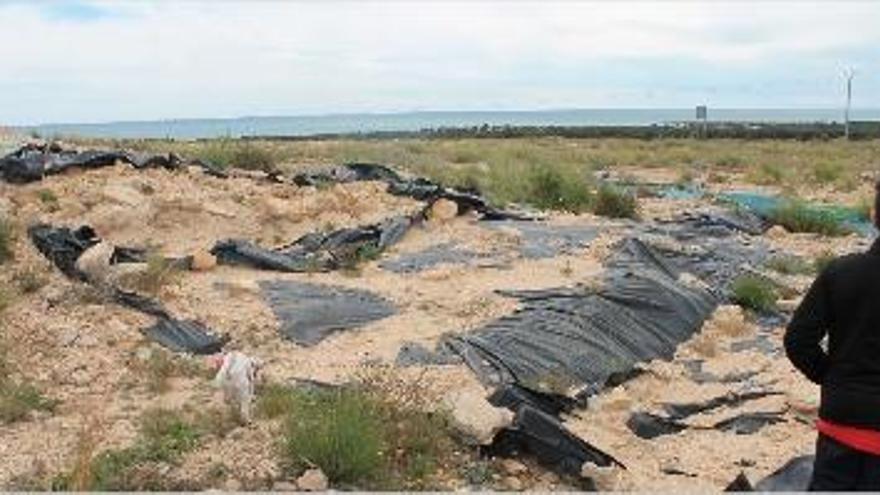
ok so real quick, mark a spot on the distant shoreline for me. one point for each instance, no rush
(587, 122)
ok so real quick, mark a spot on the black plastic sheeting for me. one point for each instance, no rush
(63, 246)
(417, 188)
(541, 435)
(540, 240)
(310, 312)
(32, 162)
(317, 252)
(794, 476)
(648, 425)
(576, 339)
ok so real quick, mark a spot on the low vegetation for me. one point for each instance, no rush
(791, 265)
(797, 216)
(7, 238)
(755, 293)
(165, 435)
(18, 398)
(157, 370)
(376, 434)
(237, 154)
(29, 280)
(615, 203)
(49, 200)
(553, 188)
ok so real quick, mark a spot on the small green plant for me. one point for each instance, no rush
(754, 293)
(238, 154)
(7, 238)
(158, 369)
(767, 173)
(797, 216)
(49, 199)
(614, 202)
(552, 189)
(790, 265)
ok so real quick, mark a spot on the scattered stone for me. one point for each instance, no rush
(776, 232)
(232, 485)
(606, 479)
(443, 210)
(203, 261)
(788, 305)
(313, 480)
(513, 467)
(95, 262)
(68, 337)
(475, 417)
(143, 353)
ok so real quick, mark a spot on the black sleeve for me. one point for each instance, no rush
(811, 322)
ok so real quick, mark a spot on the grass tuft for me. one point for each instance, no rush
(790, 265)
(797, 216)
(755, 293)
(158, 274)
(615, 203)
(7, 239)
(553, 189)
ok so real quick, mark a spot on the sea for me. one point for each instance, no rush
(308, 125)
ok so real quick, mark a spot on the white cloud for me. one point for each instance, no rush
(176, 59)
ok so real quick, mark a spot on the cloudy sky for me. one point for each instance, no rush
(84, 61)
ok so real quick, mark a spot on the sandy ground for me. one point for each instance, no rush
(85, 352)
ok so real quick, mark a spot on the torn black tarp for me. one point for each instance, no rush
(792, 477)
(317, 252)
(417, 188)
(32, 162)
(572, 340)
(308, 313)
(541, 435)
(649, 426)
(63, 246)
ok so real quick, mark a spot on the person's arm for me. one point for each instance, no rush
(808, 326)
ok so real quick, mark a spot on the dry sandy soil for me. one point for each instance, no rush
(85, 352)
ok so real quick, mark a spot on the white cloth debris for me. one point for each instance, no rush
(238, 377)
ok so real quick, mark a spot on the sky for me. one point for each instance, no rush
(92, 61)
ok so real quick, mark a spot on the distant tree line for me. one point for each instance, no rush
(717, 130)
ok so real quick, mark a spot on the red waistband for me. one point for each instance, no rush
(861, 439)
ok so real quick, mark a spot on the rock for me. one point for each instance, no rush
(443, 210)
(788, 305)
(513, 467)
(95, 262)
(68, 337)
(513, 483)
(475, 417)
(143, 353)
(284, 486)
(313, 480)
(606, 479)
(776, 232)
(203, 261)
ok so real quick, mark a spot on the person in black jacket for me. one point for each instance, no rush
(843, 305)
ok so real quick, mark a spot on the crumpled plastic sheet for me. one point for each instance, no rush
(316, 252)
(417, 188)
(32, 162)
(540, 240)
(63, 246)
(572, 340)
(649, 426)
(308, 313)
(793, 476)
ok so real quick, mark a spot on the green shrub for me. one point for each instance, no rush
(238, 154)
(614, 202)
(790, 265)
(7, 238)
(375, 434)
(754, 293)
(797, 216)
(552, 189)
(342, 432)
(827, 172)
